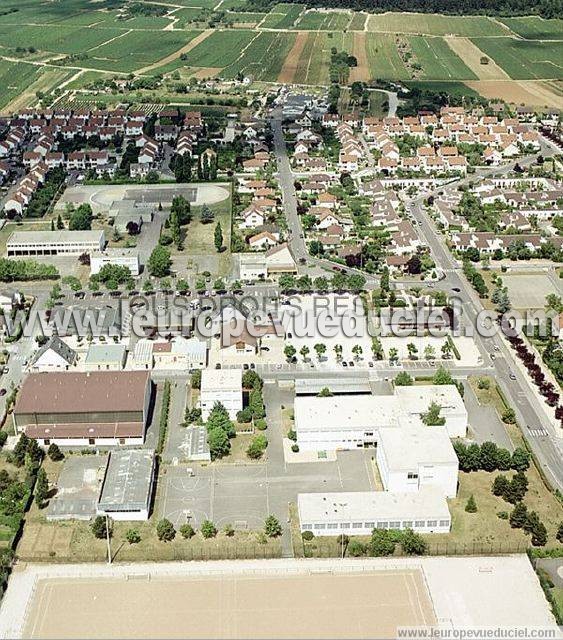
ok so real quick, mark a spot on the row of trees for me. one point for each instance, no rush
(490, 457)
(339, 282)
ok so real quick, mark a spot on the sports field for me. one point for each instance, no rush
(302, 606)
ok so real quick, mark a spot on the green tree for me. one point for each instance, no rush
(218, 237)
(338, 351)
(304, 352)
(81, 218)
(320, 349)
(442, 376)
(518, 516)
(382, 543)
(208, 529)
(509, 416)
(520, 459)
(429, 352)
(413, 544)
(289, 352)
(325, 392)
(41, 488)
(165, 530)
(377, 349)
(206, 215)
(356, 549)
(272, 527)
(99, 527)
(159, 262)
(195, 379)
(489, 456)
(219, 443)
(432, 417)
(393, 355)
(257, 447)
(357, 351)
(471, 505)
(500, 485)
(54, 453)
(187, 531)
(412, 350)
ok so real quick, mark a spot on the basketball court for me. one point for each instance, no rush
(310, 605)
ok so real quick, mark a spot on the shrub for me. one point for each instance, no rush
(471, 506)
(260, 424)
(413, 544)
(55, 453)
(187, 531)
(508, 416)
(3, 438)
(357, 549)
(229, 530)
(133, 536)
(382, 543)
(244, 416)
(165, 530)
(307, 536)
(272, 527)
(257, 447)
(208, 529)
(295, 448)
(503, 515)
(99, 527)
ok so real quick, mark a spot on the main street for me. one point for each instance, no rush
(516, 386)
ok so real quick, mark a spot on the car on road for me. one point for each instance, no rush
(344, 363)
(496, 347)
(456, 289)
(512, 376)
(2, 392)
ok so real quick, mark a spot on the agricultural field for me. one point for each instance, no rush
(525, 59)
(314, 61)
(264, 58)
(14, 78)
(383, 59)
(282, 16)
(438, 61)
(136, 49)
(435, 25)
(324, 20)
(535, 28)
(220, 49)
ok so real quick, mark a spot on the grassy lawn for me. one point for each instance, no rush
(199, 248)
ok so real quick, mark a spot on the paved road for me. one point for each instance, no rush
(313, 266)
(530, 411)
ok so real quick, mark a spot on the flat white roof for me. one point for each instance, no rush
(363, 506)
(221, 380)
(406, 448)
(54, 237)
(336, 413)
(417, 398)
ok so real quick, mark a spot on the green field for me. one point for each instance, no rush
(283, 16)
(264, 57)
(220, 49)
(438, 61)
(435, 25)
(324, 20)
(384, 61)
(525, 59)
(313, 67)
(14, 78)
(535, 28)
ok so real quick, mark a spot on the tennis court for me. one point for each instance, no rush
(307, 605)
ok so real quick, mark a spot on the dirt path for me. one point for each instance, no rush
(174, 56)
(360, 73)
(471, 55)
(530, 92)
(287, 73)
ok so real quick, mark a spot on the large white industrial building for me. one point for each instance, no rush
(358, 513)
(352, 422)
(413, 458)
(54, 243)
(224, 386)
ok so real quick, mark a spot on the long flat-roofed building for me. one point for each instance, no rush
(127, 488)
(358, 513)
(54, 243)
(352, 421)
(77, 409)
